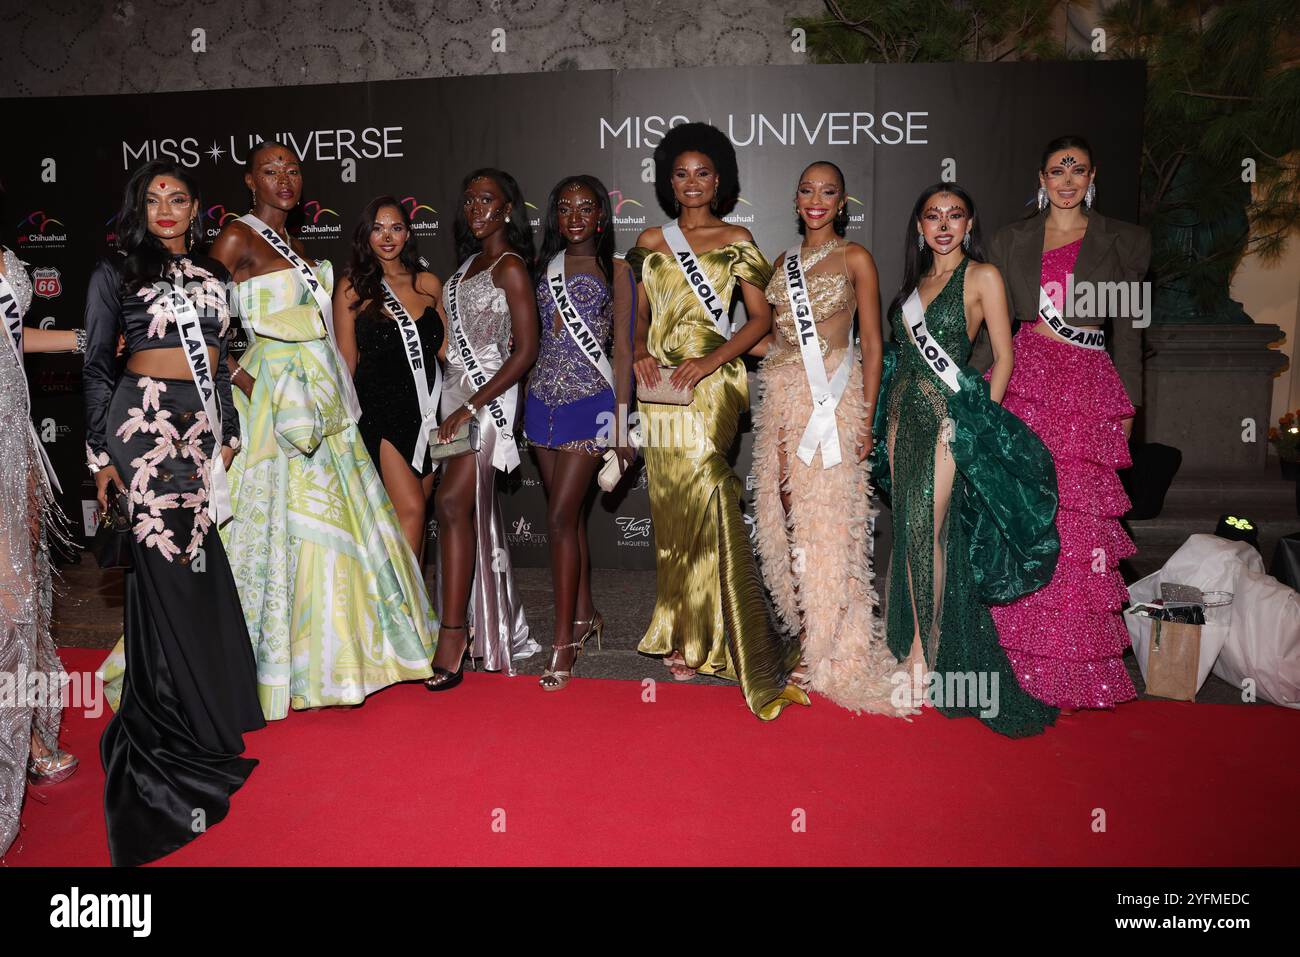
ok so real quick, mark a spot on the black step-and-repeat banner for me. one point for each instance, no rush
(892, 129)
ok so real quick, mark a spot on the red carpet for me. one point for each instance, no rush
(594, 775)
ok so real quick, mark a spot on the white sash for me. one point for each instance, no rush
(13, 318)
(695, 278)
(821, 430)
(323, 303)
(428, 397)
(569, 315)
(196, 354)
(933, 353)
(505, 457)
(1084, 338)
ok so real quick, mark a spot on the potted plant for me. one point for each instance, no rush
(1285, 439)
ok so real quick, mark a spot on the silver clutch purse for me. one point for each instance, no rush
(665, 393)
(465, 440)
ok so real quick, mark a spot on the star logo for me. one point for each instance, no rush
(216, 152)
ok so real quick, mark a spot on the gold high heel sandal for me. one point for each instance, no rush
(552, 680)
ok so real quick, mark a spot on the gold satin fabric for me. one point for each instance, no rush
(709, 601)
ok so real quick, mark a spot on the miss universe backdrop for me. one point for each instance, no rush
(892, 129)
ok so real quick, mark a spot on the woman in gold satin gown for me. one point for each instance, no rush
(709, 616)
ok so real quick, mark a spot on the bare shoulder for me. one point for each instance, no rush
(652, 238)
(736, 234)
(346, 289)
(983, 276)
(858, 256)
(428, 284)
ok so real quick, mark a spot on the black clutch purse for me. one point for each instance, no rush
(112, 541)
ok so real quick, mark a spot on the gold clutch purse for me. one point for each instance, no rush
(665, 393)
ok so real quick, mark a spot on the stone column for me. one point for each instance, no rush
(1201, 382)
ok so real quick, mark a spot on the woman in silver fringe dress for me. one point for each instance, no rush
(29, 519)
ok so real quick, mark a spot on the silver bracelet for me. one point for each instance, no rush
(469, 407)
(80, 347)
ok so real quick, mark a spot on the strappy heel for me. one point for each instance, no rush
(595, 626)
(552, 680)
(442, 679)
(51, 768)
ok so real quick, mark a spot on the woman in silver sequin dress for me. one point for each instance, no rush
(491, 342)
(29, 519)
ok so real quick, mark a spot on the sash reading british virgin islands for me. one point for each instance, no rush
(309, 279)
(695, 278)
(428, 397)
(190, 331)
(822, 431)
(556, 282)
(1084, 338)
(13, 317)
(936, 357)
(505, 457)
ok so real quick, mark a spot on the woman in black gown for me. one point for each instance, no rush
(172, 751)
(385, 277)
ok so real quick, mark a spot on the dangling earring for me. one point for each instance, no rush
(192, 234)
(1042, 198)
(965, 242)
(1090, 195)
(600, 227)
(677, 207)
(920, 241)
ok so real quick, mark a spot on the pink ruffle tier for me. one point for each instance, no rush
(1066, 640)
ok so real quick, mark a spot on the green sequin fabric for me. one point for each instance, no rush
(997, 540)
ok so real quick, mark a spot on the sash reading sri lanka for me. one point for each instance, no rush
(505, 456)
(936, 357)
(572, 319)
(323, 303)
(190, 332)
(821, 430)
(695, 278)
(13, 317)
(427, 396)
(1084, 338)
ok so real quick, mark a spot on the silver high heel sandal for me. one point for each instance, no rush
(58, 765)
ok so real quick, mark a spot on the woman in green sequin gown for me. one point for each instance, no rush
(973, 489)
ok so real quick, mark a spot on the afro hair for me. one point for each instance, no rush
(697, 138)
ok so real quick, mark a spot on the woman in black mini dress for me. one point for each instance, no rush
(387, 367)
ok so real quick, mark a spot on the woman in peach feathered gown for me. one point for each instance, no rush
(813, 493)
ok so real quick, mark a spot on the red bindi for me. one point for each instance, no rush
(162, 185)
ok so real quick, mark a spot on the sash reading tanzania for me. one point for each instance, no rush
(13, 318)
(1084, 338)
(196, 354)
(323, 303)
(696, 279)
(427, 396)
(572, 319)
(505, 457)
(933, 353)
(821, 430)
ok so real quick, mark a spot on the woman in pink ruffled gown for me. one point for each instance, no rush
(1066, 640)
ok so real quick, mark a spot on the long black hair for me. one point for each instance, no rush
(697, 138)
(146, 256)
(841, 221)
(553, 241)
(918, 262)
(519, 232)
(364, 268)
